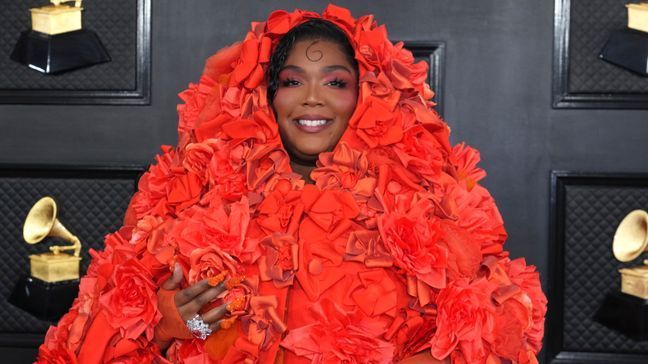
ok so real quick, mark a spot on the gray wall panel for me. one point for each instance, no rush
(497, 94)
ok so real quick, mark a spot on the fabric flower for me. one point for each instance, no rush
(521, 306)
(464, 250)
(280, 261)
(208, 262)
(83, 308)
(375, 294)
(366, 246)
(464, 159)
(420, 152)
(280, 212)
(377, 123)
(344, 168)
(413, 243)
(248, 71)
(183, 191)
(151, 196)
(225, 171)
(378, 86)
(215, 226)
(195, 99)
(151, 233)
(464, 313)
(265, 323)
(188, 351)
(372, 49)
(57, 348)
(405, 73)
(222, 62)
(412, 332)
(132, 301)
(339, 336)
(476, 213)
(127, 351)
(262, 163)
(330, 210)
(396, 189)
(259, 127)
(55, 354)
(197, 158)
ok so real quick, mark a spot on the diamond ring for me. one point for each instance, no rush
(199, 328)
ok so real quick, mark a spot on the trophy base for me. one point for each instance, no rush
(624, 313)
(627, 48)
(58, 53)
(45, 300)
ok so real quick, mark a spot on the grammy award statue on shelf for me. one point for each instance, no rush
(628, 47)
(57, 41)
(54, 282)
(626, 310)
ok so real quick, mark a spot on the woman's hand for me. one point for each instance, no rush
(190, 300)
(179, 306)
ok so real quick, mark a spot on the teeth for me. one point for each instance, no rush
(311, 122)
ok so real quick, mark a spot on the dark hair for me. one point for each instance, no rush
(314, 29)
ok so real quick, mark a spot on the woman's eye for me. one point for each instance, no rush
(338, 83)
(288, 82)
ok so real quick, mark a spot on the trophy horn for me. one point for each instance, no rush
(631, 237)
(41, 222)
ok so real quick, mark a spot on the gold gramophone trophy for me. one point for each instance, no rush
(630, 241)
(628, 47)
(54, 282)
(626, 310)
(57, 41)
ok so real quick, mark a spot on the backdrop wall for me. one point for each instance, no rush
(497, 98)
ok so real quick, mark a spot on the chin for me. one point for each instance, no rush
(309, 150)
(309, 154)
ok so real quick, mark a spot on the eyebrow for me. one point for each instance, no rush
(325, 69)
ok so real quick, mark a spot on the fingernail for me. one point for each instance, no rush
(236, 305)
(215, 280)
(228, 322)
(234, 282)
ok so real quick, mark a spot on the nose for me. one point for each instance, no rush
(313, 96)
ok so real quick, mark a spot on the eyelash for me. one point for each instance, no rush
(338, 83)
(289, 82)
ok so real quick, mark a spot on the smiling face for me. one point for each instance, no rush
(316, 97)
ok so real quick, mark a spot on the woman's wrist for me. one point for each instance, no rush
(171, 325)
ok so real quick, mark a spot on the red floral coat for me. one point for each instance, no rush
(395, 249)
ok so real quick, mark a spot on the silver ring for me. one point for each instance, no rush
(199, 328)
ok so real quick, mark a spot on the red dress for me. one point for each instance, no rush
(396, 249)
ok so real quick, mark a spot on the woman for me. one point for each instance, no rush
(313, 211)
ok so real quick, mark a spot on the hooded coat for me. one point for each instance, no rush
(395, 249)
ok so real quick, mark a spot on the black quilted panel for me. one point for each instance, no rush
(89, 207)
(591, 23)
(592, 214)
(114, 21)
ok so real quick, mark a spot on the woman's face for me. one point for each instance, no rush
(317, 94)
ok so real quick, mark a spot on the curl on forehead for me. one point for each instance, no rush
(313, 30)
